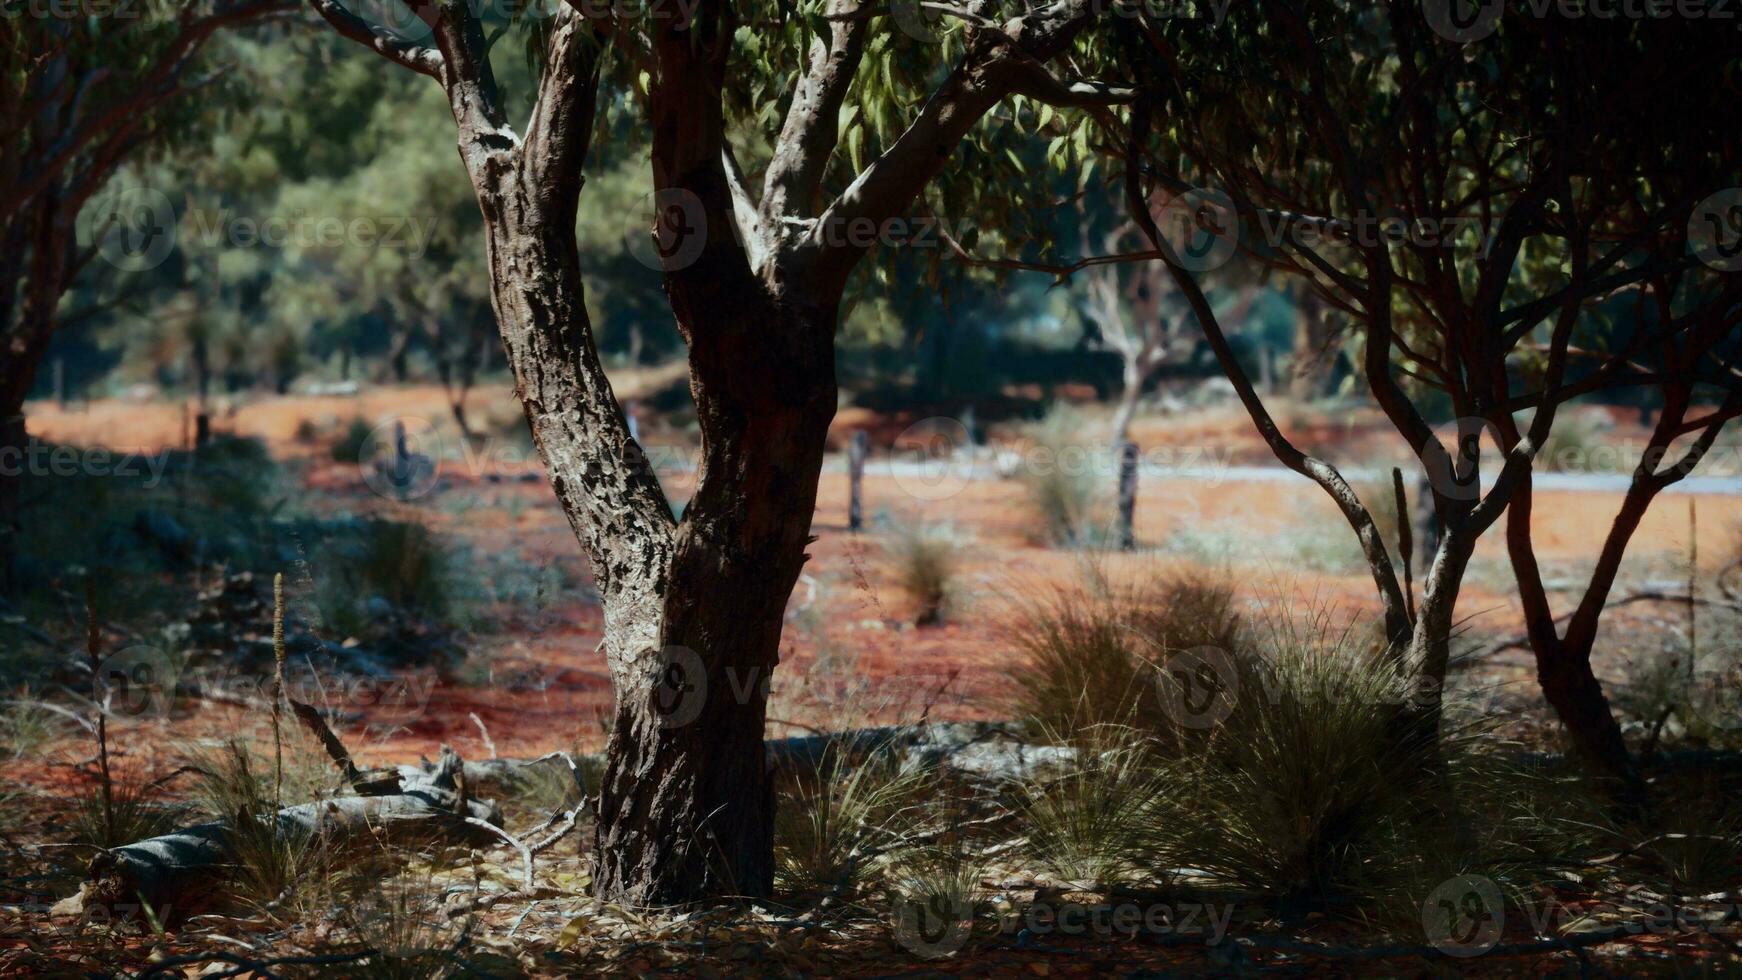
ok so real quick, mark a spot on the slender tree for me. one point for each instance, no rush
(1475, 210)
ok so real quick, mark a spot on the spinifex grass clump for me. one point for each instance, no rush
(1098, 821)
(1306, 790)
(276, 870)
(1061, 478)
(1092, 651)
(389, 567)
(925, 559)
(838, 821)
(1270, 758)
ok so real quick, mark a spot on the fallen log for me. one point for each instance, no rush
(984, 749)
(165, 873)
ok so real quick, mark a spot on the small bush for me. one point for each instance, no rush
(839, 820)
(925, 559)
(403, 925)
(1061, 478)
(1308, 790)
(348, 447)
(390, 566)
(1575, 445)
(25, 726)
(134, 811)
(1096, 823)
(276, 869)
(1091, 651)
(1696, 841)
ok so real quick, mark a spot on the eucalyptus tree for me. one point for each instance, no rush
(1477, 200)
(754, 276)
(84, 88)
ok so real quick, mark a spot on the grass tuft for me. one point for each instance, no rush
(926, 559)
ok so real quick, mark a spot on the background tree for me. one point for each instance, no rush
(79, 96)
(1470, 208)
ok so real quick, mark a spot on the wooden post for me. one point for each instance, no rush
(857, 450)
(1127, 495)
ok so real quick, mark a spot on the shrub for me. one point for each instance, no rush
(1572, 447)
(925, 558)
(26, 725)
(402, 923)
(1096, 822)
(348, 447)
(1060, 477)
(404, 565)
(1091, 651)
(1308, 791)
(275, 870)
(133, 812)
(841, 818)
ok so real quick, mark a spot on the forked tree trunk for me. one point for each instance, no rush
(693, 608)
(1563, 665)
(693, 611)
(687, 803)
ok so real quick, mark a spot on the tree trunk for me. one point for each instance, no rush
(30, 309)
(857, 450)
(1563, 666)
(1129, 395)
(687, 805)
(693, 611)
(1128, 496)
(1311, 362)
(1564, 672)
(1430, 646)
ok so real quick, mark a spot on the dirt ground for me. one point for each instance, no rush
(547, 684)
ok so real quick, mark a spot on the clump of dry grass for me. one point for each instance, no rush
(926, 559)
(1060, 476)
(1092, 650)
(838, 821)
(1096, 822)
